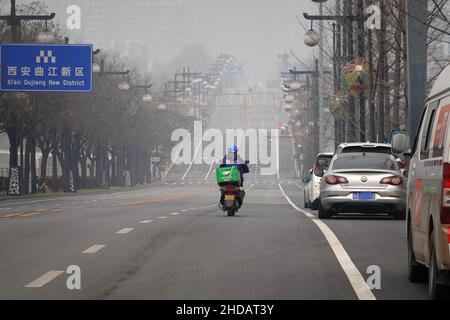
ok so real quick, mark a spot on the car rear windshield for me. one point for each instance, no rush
(353, 149)
(323, 162)
(370, 163)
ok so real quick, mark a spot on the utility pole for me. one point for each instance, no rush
(361, 53)
(321, 84)
(69, 184)
(416, 17)
(349, 57)
(14, 21)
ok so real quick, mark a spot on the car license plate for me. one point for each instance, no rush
(364, 196)
(229, 197)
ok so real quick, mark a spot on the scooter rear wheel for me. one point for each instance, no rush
(231, 212)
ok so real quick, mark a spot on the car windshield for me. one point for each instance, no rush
(363, 162)
(353, 149)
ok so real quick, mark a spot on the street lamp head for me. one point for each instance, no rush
(147, 98)
(311, 38)
(46, 37)
(124, 86)
(288, 107)
(289, 99)
(96, 68)
(295, 86)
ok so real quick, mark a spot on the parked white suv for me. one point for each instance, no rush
(312, 189)
(365, 147)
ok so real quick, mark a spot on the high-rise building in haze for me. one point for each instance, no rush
(164, 26)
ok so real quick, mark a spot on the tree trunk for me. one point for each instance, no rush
(387, 97)
(33, 166)
(26, 175)
(44, 160)
(397, 78)
(55, 163)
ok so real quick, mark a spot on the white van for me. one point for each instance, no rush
(428, 195)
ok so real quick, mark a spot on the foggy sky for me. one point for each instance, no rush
(255, 31)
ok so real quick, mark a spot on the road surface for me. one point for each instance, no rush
(172, 242)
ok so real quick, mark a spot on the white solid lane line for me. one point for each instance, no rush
(44, 279)
(125, 230)
(357, 281)
(94, 249)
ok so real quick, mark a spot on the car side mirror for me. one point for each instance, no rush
(400, 142)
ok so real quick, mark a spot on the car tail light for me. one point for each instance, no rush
(335, 180)
(394, 180)
(401, 164)
(445, 207)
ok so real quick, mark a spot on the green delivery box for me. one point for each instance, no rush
(228, 175)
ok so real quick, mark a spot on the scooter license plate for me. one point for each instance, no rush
(229, 197)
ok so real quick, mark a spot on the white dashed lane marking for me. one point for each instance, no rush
(125, 230)
(146, 221)
(44, 279)
(161, 218)
(94, 249)
(174, 214)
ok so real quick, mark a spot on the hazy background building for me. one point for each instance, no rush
(255, 31)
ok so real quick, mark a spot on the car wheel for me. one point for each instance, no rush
(305, 203)
(416, 272)
(435, 289)
(323, 214)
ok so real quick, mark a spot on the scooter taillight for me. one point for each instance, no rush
(230, 188)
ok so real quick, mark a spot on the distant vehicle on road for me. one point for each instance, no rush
(312, 188)
(366, 147)
(363, 183)
(428, 197)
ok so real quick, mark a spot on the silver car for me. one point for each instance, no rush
(363, 183)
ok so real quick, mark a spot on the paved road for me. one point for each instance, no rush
(171, 241)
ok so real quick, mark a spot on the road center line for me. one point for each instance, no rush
(94, 249)
(354, 276)
(44, 279)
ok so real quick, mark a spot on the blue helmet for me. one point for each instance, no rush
(234, 148)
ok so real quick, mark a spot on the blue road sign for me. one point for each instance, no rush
(35, 67)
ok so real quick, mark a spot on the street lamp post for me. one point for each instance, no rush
(416, 17)
(14, 21)
(348, 18)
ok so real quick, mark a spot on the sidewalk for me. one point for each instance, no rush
(79, 192)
